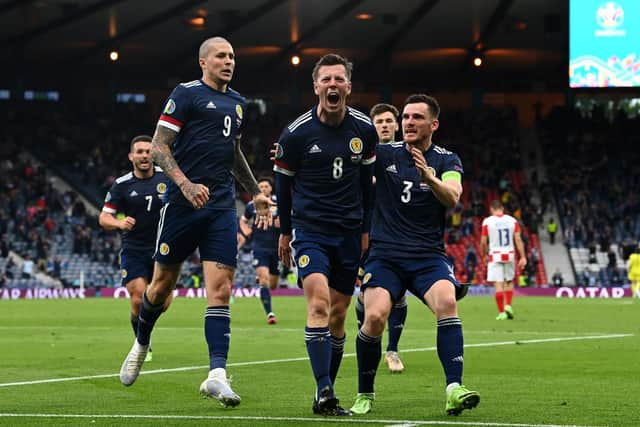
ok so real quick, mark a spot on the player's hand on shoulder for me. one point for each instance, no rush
(196, 194)
(128, 223)
(284, 250)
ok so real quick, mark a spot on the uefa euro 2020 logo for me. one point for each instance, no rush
(610, 15)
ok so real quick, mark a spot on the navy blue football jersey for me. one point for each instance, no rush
(407, 217)
(140, 199)
(207, 122)
(263, 239)
(325, 164)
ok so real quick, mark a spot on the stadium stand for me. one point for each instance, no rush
(596, 171)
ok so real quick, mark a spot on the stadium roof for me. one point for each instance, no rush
(401, 41)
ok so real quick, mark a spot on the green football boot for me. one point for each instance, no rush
(502, 316)
(509, 311)
(363, 403)
(461, 398)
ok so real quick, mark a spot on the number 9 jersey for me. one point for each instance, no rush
(208, 122)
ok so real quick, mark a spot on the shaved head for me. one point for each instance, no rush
(205, 47)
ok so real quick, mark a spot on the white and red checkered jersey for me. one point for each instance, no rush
(500, 230)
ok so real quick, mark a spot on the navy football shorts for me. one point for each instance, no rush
(266, 258)
(182, 229)
(336, 256)
(401, 273)
(136, 263)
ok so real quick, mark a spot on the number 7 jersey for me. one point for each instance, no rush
(325, 162)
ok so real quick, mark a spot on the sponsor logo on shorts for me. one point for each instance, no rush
(123, 273)
(366, 278)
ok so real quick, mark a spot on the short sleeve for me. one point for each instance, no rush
(113, 200)
(287, 157)
(452, 168)
(176, 110)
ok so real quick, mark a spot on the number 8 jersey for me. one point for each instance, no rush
(208, 122)
(325, 163)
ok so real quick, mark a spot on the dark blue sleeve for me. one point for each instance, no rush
(250, 211)
(283, 193)
(113, 202)
(366, 177)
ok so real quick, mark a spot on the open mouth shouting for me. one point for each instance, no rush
(333, 98)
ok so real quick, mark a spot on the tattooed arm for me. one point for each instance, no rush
(243, 173)
(163, 139)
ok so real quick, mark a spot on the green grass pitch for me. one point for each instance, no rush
(560, 362)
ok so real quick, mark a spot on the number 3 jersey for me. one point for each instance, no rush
(499, 229)
(325, 163)
(140, 199)
(208, 122)
(408, 220)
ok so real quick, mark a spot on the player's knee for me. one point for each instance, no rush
(374, 320)
(318, 310)
(136, 301)
(339, 313)
(446, 305)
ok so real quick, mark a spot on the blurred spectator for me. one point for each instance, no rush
(27, 267)
(557, 280)
(4, 248)
(470, 263)
(552, 229)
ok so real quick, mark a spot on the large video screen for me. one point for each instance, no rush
(604, 43)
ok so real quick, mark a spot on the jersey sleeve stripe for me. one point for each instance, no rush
(360, 115)
(301, 117)
(297, 125)
(283, 169)
(109, 209)
(361, 118)
(170, 122)
(370, 160)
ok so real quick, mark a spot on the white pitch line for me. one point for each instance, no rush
(342, 420)
(298, 359)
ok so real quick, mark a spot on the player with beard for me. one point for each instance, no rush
(416, 182)
(138, 195)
